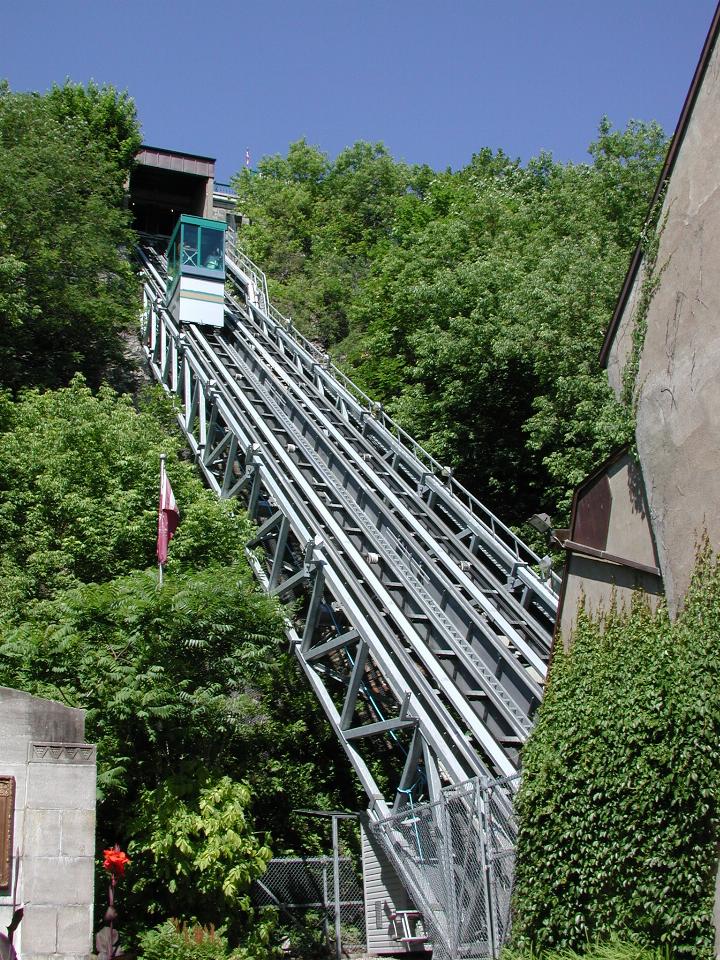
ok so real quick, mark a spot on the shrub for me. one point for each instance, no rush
(619, 802)
(175, 941)
(610, 950)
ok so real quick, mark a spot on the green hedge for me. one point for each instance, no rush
(619, 802)
(610, 950)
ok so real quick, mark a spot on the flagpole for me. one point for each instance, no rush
(163, 458)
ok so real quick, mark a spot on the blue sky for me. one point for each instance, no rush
(434, 81)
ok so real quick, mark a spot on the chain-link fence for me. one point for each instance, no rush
(303, 890)
(456, 857)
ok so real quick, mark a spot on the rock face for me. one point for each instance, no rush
(47, 826)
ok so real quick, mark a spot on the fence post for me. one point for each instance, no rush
(326, 926)
(336, 886)
(485, 858)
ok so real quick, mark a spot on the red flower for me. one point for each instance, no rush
(115, 861)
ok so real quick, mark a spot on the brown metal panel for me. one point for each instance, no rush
(7, 815)
(175, 160)
(592, 517)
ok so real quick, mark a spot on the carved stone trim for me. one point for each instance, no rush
(7, 816)
(39, 752)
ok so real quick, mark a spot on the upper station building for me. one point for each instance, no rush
(167, 183)
(637, 522)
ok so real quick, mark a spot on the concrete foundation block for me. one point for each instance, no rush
(61, 787)
(78, 833)
(42, 832)
(75, 931)
(58, 880)
(39, 930)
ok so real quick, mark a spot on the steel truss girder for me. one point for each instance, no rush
(359, 479)
(237, 465)
(343, 490)
(483, 531)
(196, 376)
(267, 437)
(501, 614)
(272, 423)
(193, 374)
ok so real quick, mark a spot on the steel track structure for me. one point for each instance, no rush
(418, 618)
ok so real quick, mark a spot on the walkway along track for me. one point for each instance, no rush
(417, 617)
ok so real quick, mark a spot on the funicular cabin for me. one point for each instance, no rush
(196, 271)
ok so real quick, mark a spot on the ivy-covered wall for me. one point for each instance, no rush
(619, 802)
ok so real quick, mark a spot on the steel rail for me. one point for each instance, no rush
(390, 483)
(327, 520)
(444, 581)
(501, 539)
(416, 616)
(458, 757)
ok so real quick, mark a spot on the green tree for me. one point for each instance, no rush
(482, 333)
(472, 304)
(195, 850)
(316, 226)
(66, 287)
(109, 114)
(79, 475)
(182, 687)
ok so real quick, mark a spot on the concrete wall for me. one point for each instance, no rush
(208, 205)
(42, 745)
(599, 584)
(678, 416)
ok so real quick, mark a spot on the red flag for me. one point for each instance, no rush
(168, 517)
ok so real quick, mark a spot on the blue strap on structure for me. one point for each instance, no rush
(413, 818)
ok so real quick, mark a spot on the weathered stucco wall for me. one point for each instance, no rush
(622, 343)
(42, 746)
(599, 584)
(678, 413)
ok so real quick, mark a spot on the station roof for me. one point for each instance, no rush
(176, 160)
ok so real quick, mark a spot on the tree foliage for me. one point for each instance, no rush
(317, 226)
(109, 117)
(619, 807)
(66, 287)
(78, 494)
(194, 703)
(473, 303)
(195, 850)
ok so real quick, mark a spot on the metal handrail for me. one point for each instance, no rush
(224, 188)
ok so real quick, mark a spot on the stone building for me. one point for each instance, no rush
(637, 523)
(166, 183)
(47, 826)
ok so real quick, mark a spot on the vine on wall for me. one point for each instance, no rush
(619, 804)
(652, 275)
